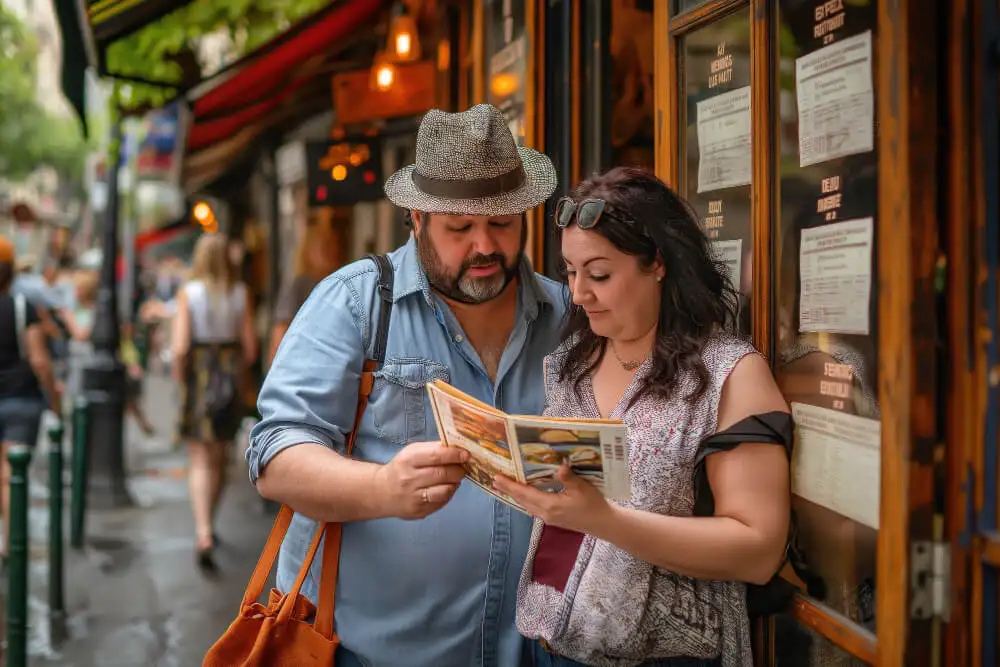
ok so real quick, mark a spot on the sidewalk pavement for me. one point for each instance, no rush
(134, 597)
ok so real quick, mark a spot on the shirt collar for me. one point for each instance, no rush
(410, 279)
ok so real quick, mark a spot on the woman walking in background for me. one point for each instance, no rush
(26, 379)
(213, 345)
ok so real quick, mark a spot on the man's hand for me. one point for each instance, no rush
(420, 480)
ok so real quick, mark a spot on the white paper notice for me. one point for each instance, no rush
(836, 462)
(835, 274)
(724, 154)
(731, 252)
(836, 100)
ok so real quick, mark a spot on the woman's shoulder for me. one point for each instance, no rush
(723, 350)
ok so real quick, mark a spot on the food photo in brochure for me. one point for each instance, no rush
(531, 449)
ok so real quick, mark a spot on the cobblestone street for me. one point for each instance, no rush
(134, 596)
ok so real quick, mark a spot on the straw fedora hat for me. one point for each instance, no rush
(468, 164)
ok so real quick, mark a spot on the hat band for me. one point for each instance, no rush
(474, 188)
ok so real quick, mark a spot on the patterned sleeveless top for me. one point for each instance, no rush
(616, 610)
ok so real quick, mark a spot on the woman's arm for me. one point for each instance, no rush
(41, 364)
(248, 333)
(745, 540)
(180, 336)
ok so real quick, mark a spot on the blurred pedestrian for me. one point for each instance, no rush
(213, 346)
(27, 384)
(316, 257)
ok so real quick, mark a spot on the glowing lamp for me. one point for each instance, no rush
(383, 73)
(202, 212)
(404, 43)
(503, 84)
(339, 172)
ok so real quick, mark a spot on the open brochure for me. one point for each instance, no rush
(531, 449)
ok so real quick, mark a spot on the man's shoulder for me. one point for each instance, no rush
(555, 292)
(362, 271)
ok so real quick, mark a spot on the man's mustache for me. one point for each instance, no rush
(484, 260)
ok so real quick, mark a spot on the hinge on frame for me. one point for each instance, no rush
(930, 580)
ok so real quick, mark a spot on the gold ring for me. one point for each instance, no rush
(423, 492)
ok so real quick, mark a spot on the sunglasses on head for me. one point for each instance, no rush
(585, 213)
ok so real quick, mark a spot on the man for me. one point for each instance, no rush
(438, 590)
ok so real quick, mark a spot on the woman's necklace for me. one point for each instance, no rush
(627, 365)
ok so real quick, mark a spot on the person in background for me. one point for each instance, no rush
(27, 384)
(129, 355)
(657, 580)
(213, 346)
(51, 301)
(316, 257)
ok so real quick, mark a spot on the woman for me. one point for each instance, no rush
(26, 378)
(657, 580)
(317, 256)
(213, 345)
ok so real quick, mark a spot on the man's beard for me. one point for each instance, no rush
(463, 287)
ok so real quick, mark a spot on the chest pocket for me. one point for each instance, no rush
(399, 405)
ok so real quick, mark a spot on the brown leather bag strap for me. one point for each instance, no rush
(331, 547)
(267, 557)
(334, 531)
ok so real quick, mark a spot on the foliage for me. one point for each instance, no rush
(30, 136)
(155, 52)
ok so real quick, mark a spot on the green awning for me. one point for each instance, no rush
(89, 27)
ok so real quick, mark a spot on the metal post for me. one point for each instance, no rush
(78, 491)
(57, 602)
(19, 457)
(104, 376)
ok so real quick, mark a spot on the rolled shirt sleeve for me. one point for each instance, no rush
(311, 390)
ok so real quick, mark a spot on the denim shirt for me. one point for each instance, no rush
(441, 591)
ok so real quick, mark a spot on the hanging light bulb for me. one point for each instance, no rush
(383, 73)
(404, 42)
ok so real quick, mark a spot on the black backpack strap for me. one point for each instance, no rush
(383, 290)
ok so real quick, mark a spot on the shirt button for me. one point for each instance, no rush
(459, 338)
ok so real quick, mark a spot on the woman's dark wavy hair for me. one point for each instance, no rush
(650, 221)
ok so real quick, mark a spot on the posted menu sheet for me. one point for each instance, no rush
(836, 100)
(725, 159)
(835, 276)
(837, 462)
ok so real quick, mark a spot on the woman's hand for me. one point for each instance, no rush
(580, 506)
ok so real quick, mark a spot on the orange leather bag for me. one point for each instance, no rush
(279, 634)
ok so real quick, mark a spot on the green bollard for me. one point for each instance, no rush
(57, 602)
(17, 567)
(78, 491)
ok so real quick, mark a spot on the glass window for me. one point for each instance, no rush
(715, 147)
(506, 47)
(633, 100)
(681, 6)
(798, 646)
(825, 303)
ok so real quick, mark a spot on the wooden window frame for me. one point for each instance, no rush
(907, 198)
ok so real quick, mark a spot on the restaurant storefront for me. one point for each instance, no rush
(843, 158)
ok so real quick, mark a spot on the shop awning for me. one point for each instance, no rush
(282, 82)
(89, 27)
